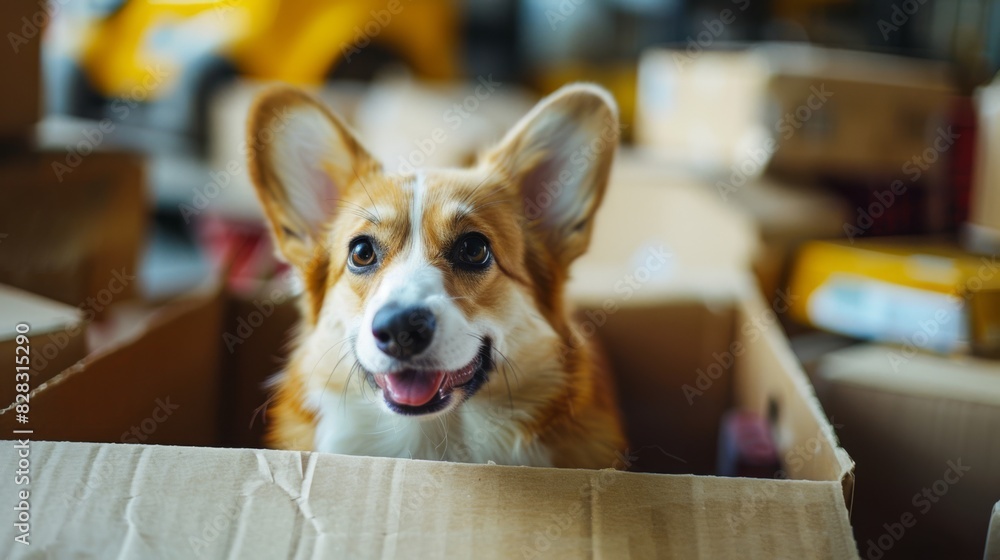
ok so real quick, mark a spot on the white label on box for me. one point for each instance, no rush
(874, 310)
(658, 87)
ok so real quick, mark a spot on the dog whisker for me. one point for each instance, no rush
(365, 187)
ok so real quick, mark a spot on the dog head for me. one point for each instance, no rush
(423, 283)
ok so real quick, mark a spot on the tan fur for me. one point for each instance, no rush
(560, 391)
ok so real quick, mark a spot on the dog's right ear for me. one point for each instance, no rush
(302, 159)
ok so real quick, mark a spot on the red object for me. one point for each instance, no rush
(244, 249)
(746, 447)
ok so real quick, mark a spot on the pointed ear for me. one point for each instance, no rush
(559, 158)
(302, 159)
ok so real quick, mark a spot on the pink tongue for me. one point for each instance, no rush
(413, 388)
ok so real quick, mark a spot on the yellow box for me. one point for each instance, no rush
(924, 293)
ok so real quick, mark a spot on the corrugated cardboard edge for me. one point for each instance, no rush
(753, 305)
(149, 501)
(163, 316)
(969, 379)
(993, 537)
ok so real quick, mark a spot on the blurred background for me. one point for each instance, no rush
(845, 151)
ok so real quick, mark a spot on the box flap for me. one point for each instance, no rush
(56, 337)
(154, 502)
(43, 315)
(178, 350)
(920, 427)
(778, 389)
(642, 244)
(899, 370)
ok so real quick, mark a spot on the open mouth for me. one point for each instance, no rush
(414, 392)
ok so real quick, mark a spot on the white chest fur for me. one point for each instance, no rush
(476, 432)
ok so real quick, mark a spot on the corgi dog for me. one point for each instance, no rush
(434, 324)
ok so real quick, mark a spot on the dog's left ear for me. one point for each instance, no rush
(302, 158)
(559, 158)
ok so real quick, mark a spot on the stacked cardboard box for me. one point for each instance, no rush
(809, 141)
(925, 432)
(790, 108)
(21, 60)
(984, 219)
(72, 234)
(71, 218)
(58, 332)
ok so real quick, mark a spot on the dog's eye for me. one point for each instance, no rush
(472, 251)
(362, 253)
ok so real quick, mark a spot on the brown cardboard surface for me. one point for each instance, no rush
(74, 238)
(985, 207)
(181, 502)
(250, 356)
(880, 110)
(647, 228)
(57, 336)
(158, 386)
(905, 426)
(21, 61)
(787, 214)
(657, 348)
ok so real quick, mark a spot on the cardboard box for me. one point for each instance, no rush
(925, 432)
(984, 226)
(793, 108)
(159, 383)
(55, 339)
(704, 238)
(686, 350)
(787, 215)
(925, 294)
(21, 61)
(72, 227)
(433, 508)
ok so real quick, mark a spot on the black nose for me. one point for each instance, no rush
(403, 332)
